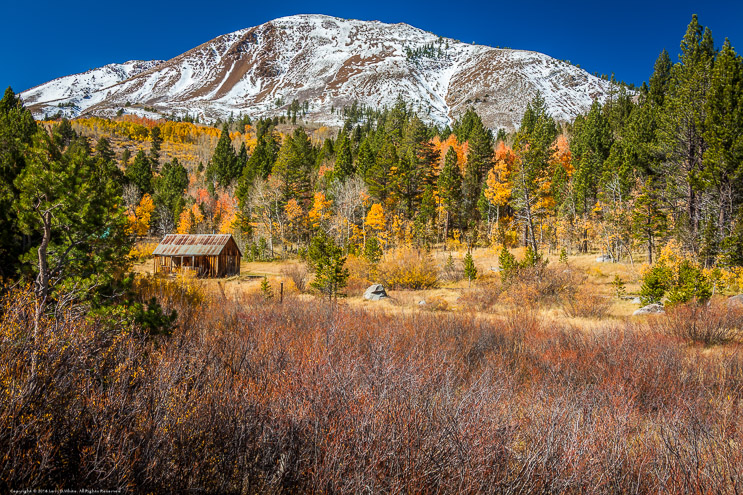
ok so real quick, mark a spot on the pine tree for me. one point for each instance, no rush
(590, 148)
(266, 290)
(170, 187)
(480, 154)
(343, 158)
(533, 147)
(425, 216)
(507, 264)
(293, 166)
(723, 159)
(463, 128)
(328, 262)
(450, 188)
(17, 128)
(470, 271)
(649, 223)
(732, 245)
(373, 250)
(224, 167)
(139, 173)
(157, 142)
(660, 79)
(326, 152)
(74, 214)
(378, 178)
(125, 156)
(63, 133)
(242, 156)
(365, 161)
(103, 150)
(682, 126)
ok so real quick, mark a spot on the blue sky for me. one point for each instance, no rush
(43, 40)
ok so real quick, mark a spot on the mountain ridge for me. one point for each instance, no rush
(329, 63)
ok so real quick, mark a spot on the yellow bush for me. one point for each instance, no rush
(361, 274)
(142, 250)
(185, 291)
(729, 279)
(407, 268)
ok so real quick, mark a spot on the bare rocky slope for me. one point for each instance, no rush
(328, 63)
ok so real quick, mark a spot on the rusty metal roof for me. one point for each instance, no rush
(192, 245)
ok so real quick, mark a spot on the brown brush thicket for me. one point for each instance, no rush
(712, 323)
(252, 396)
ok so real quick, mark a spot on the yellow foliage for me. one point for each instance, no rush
(293, 210)
(498, 188)
(189, 219)
(139, 220)
(407, 268)
(361, 273)
(228, 222)
(732, 278)
(375, 219)
(142, 250)
(320, 209)
(671, 255)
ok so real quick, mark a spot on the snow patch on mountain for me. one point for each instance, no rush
(79, 91)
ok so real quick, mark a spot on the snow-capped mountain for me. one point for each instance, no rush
(328, 63)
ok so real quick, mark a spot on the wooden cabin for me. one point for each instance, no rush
(208, 255)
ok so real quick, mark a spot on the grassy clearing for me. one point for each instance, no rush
(595, 279)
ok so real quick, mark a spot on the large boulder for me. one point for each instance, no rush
(604, 258)
(736, 301)
(375, 293)
(650, 309)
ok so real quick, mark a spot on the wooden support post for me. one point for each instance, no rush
(281, 292)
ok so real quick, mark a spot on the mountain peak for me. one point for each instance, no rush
(329, 63)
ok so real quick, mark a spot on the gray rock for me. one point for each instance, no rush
(650, 309)
(422, 302)
(604, 258)
(636, 300)
(375, 292)
(495, 269)
(736, 301)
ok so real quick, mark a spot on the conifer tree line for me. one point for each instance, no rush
(644, 168)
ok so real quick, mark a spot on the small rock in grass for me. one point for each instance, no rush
(650, 309)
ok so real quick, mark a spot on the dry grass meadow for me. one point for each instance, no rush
(481, 390)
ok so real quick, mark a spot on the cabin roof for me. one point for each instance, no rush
(192, 245)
